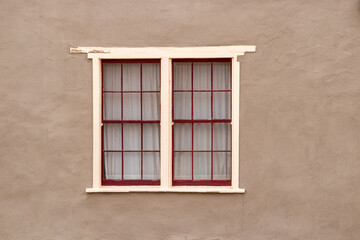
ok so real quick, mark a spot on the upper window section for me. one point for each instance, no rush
(130, 90)
(202, 89)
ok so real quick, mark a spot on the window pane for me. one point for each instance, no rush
(151, 133)
(151, 77)
(182, 105)
(132, 165)
(150, 106)
(202, 166)
(151, 166)
(112, 136)
(222, 136)
(182, 166)
(112, 165)
(221, 76)
(131, 76)
(202, 105)
(112, 77)
(182, 76)
(221, 105)
(112, 106)
(221, 167)
(131, 106)
(132, 137)
(202, 136)
(202, 76)
(182, 136)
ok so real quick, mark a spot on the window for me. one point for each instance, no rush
(201, 112)
(131, 122)
(190, 143)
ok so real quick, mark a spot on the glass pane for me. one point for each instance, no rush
(202, 105)
(131, 76)
(182, 76)
(151, 106)
(112, 106)
(112, 136)
(151, 135)
(131, 106)
(221, 105)
(202, 166)
(182, 136)
(182, 105)
(221, 167)
(132, 137)
(151, 166)
(112, 166)
(112, 76)
(182, 166)
(151, 76)
(132, 165)
(202, 136)
(202, 76)
(222, 136)
(221, 76)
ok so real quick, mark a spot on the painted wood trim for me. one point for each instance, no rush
(165, 54)
(165, 124)
(96, 122)
(161, 52)
(235, 123)
(138, 189)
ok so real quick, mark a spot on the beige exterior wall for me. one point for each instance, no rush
(300, 111)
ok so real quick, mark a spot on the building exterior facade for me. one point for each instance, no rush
(298, 109)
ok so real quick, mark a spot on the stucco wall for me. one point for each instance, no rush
(300, 128)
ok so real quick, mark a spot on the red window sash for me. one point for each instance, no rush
(122, 181)
(193, 182)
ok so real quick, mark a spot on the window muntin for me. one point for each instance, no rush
(202, 122)
(131, 122)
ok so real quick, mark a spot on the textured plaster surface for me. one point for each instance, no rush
(300, 128)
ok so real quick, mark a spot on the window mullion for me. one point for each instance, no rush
(235, 122)
(165, 124)
(97, 116)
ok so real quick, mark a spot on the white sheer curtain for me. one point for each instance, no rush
(127, 137)
(198, 136)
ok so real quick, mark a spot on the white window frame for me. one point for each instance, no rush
(166, 54)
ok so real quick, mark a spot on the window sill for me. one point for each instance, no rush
(182, 189)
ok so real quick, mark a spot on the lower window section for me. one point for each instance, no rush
(202, 154)
(131, 154)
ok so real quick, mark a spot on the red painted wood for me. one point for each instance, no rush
(212, 124)
(202, 121)
(111, 182)
(131, 121)
(192, 118)
(206, 91)
(202, 183)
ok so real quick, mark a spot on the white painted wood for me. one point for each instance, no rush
(139, 189)
(160, 52)
(165, 124)
(96, 122)
(235, 123)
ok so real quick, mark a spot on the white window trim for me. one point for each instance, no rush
(166, 54)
